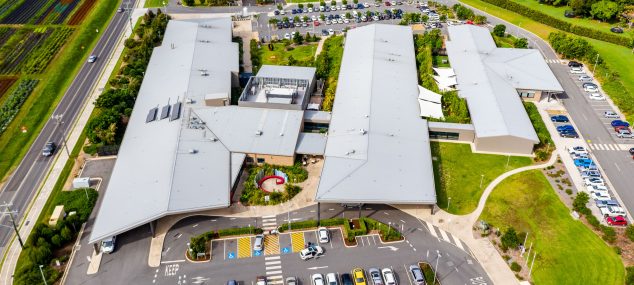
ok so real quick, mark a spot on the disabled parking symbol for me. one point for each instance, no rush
(286, 250)
(257, 253)
(231, 255)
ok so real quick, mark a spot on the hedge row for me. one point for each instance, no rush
(561, 24)
(387, 232)
(351, 233)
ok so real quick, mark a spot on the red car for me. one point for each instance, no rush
(316, 23)
(618, 128)
(616, 221)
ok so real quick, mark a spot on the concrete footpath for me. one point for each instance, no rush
(35, 207)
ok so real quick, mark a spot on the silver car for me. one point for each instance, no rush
(375, 275)
(417, 275)
(610, 115)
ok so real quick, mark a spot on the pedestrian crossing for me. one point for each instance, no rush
(550, 60)
(445, 236)
(269, 223)
(273, 269)
(607, 146)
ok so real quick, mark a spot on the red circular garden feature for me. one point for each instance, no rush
(279, 180)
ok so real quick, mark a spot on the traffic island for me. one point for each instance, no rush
(199, 247)
(428, 272)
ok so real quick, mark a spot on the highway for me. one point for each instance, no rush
(25, 181)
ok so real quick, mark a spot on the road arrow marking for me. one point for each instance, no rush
(392, 248)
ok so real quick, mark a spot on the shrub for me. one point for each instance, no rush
(332, 222)
(580, 201)
(569, 191)
(352, 233)
(499, 30)
(516, 267)
(629, 232)
(299, 225)
(387, 232)
(609, 234)
(509, 239)
(617, 250)
(629, 276)
(239, 231)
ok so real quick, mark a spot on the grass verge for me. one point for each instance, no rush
(57, 78)
(458, 173)
(154, 3)
(280, 56)
(568, 252)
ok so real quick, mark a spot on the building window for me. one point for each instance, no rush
(249, 159)
(260, 160)
(527, 94)
(443, 135)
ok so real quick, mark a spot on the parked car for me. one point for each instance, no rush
(616, 221)
(49, 149)
(564, 128)
(258, 243)
(291, 281)
(595, 188)
(596, 97)
(261, 280)
(577, 70)
(388, 276)
(617, 30)
(603, 204)
(331, 279)
(610, 115)
(559, 119)
(417, 275)
(310, 252)
(590, 173)
(619, 123)
(323, 234)
(317, 279)
(631, 151)
(624, 134)
(585, 78)
(346, 279)
(582, 162)
(232, 282)
(572, 134)
(594, 181)
(375, 275)
(359, 276)
(579, 155)
(573, 63)
(612, 211)
(577, 149)
(600, 196)
(591, 88)
(108, 245)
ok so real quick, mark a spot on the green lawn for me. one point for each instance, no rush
(568, 252)
(154, 3)
(558, 12)
(618, 58)
(438, 61)
(279, 55)
(458, 171)
(58, 76)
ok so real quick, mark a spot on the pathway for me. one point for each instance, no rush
(481, 248)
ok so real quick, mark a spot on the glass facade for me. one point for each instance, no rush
(443, 135)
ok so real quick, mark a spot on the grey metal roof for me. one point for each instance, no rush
(378, 147)
(311, 143)
(483, 79)
(156, 173)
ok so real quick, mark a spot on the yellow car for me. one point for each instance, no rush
(359, 276)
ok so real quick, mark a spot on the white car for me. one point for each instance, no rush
(107, 245)
(594, 181)
(313, 17)
(602, 189)
(585, 78)
(612, 211)
(92, 58)
(388, 276)
(317, 279)
(591, 88)
(310, 10)
(287, 36)
(331, 32)
(577, 150)
(596, 96)
(366, 5)
(323, 234)
(610, 115)
(331, 279)
(282, 12)
(624, 134)
(600, 196)
(576, 70)
(310, 252)
(346, 21)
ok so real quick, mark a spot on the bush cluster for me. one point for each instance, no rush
(546, 19)
(256, 56)
(387, 232)
(44, 239)
(545, 146)
(328, 63)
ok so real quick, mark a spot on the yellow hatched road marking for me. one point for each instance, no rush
(244, 247)
(298, 242)
(271, 245)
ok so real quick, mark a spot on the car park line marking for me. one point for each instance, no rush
(458, 242)
(268, 217)
(275, 277)
(617, 167)
(408, 274)
(431, 229)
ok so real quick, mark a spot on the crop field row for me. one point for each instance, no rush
(5, 34)
(14, 101)
(19, 47)
(39, 58)
(81, 13)
(37, 11)
(5, 84)
(6, 6)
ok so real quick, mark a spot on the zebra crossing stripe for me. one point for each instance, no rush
(457, 241)
(275, 277)
(431, 229)
(272, 257)
(444, 236)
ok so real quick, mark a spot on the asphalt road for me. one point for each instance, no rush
(128, 264)
(26, 179)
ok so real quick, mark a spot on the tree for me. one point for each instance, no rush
(604, 10)
(189, 2)
(322, 17)
(273, 21)
(291, 59)
(322, 3)
(279, 7)
(300, 6)
(310, 5)
(356, 2)
(348, 15)
(499, 30)
(425, 19)
(307, 37)
(577, 6)
(509, 239)
(297, 38)
(580, 201)
(333, 3)
(344, 2)
(520, 43)
(479, 19)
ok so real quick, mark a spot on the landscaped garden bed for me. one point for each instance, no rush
(200, 245)
(253, 193)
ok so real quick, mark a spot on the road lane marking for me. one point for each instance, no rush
(172, 261)
(274, 262)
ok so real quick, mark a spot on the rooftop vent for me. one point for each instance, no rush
(176, 111)
(214, 139)
(258, 133)
(165, 111)
(362, 131)
(151, 115)
(193, 151)
(204, 72)
(350, 152)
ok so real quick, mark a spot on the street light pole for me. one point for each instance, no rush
(448, 204)
(438, 256)
(42, 272)
(15, 227)
(595, 64)
(481, 180)
(58, 122)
